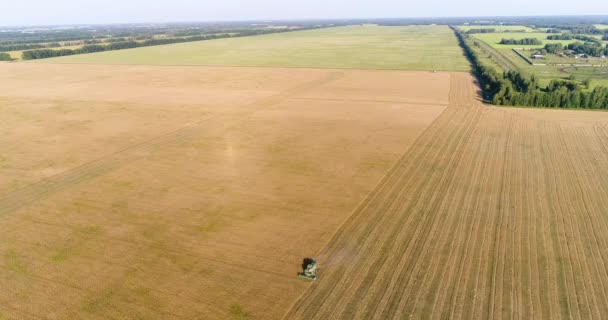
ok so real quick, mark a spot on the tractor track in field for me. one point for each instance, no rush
(42, 189)
(491, 214)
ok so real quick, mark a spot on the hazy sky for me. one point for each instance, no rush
(36, 12)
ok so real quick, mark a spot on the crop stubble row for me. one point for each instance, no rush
(492, 213)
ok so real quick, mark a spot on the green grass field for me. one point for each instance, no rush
(362, 47)
(493, 39)
(498, 28)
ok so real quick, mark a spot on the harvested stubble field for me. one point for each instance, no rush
(493, 213)
(187, 193)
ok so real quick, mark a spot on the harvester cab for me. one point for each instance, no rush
(310, 268)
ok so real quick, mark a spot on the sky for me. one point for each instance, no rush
(52, 12)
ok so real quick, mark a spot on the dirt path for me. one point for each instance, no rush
(493, 213)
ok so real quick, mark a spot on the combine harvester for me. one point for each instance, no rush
(310, 268)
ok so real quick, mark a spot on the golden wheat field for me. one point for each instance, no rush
(493, 213)
(187, 193)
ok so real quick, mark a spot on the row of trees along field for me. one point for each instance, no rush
(574, 29)
(49, 53)
(481, 30)
(569, 36)
(513, 88)
(562, 36)
(522, 42)
(589, 48)
(5, 56)
(16, 47)
(492, 30)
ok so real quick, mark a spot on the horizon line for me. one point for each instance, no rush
(253, 20)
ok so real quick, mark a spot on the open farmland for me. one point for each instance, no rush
(359, 47)
(493, 213)
(188, 192)
(135, 188)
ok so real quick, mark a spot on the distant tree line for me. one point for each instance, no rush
(5, 56)
(586, 38)
(100, 34)
(594, 49)
(92, 41)
(521, 42)
(117, 39)
(187, 33)
(563, 36)
(570, 36)
(589, 48)
(49, 53)
(605, 37)
(45, 38)
(481, 30)
(16, 47)
(513, 88)
(584, 29)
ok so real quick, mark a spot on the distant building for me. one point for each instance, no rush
(538, 56)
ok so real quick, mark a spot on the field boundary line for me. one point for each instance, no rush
(374, 101)
(241, 66)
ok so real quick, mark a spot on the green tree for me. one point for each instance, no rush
(587, 83)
